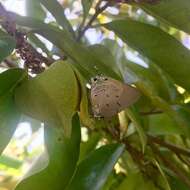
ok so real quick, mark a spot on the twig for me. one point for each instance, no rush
(9, 63)
(183, 160)
(136, 155)
(84, 18)
(174, 148)
(151, 112)
(170, 165)
(99, 10)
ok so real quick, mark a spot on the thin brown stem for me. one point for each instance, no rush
(183, 160)
(151, 112)
(180, 174)
(99, 10)
(173, 148)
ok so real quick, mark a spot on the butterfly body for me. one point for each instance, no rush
(110, 96)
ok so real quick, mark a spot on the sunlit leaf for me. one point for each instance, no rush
(10, 162)
(52, 96)
(63, 156)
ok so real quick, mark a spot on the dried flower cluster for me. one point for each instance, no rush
(33, 60)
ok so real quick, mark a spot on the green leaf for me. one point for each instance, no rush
(37, 43)
(34, 9)
(137, 121)
(89, 146)
(93, 171)
(81, 55)
(176, 184)
(10, 79)
(85, 117)
(9, 117)
(158, 46)
(103, 53)
(165, 180)
(173, 12)
(58, 12)
(160, 103)
(9, 114)
(162, 124)
(7, 45)
(134, 181)
(63, 156)
(86, 6)
(52, 96)
(154, 77)
(114, 181)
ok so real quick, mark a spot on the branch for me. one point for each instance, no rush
(180, 174)
(9, 63)
(99, 10)
(151, 112)
(174, 148)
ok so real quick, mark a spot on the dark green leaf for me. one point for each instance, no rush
(158, 46)
(7, 45)
(93, 171)
(9, 80)
(58, 12)
(176, 184)
(9, 114)
(173, 12)
(63, 156)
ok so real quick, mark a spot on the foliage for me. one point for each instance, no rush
(146, 146)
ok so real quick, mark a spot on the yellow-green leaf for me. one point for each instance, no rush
(52, 96)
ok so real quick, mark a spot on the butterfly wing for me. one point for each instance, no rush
(129, 95)
(111, 96)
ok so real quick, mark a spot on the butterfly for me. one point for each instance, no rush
(109, 96)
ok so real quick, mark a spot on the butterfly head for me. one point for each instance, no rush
(98, 80)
